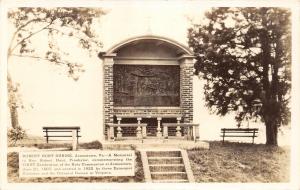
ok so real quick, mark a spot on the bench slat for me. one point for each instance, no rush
(61, 127)
(239, 129)
(61, 136)
(240, 132)
(58, 131)
(238, 136)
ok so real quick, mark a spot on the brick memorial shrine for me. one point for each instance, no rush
(148, 90)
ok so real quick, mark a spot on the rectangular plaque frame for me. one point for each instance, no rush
(146, 85)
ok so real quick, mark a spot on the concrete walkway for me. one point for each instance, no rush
(154, 143)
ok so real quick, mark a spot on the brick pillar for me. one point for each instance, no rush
(186, 87)
(108, 90)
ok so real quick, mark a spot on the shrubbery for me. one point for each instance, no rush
(15, 134)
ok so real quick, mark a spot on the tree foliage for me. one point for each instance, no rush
(244, 56)
(52, 25)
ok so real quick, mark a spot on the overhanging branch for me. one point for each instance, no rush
(29, 36)
(42, 58)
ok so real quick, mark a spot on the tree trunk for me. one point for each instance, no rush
(271, 132)
(270, 104)
(12, 101)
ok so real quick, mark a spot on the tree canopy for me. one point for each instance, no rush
(244, 55)
(52, 25)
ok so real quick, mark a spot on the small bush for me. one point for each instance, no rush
(16, 134)
(91, 145)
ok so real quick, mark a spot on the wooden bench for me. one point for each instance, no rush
(192, 130)
(239, 132)
(60, 131)
(140, 130)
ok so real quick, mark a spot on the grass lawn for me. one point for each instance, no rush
(237, 162)
(228, 162)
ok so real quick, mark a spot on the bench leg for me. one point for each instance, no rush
(223, 136)
(47, 137)
(77, 136)
(74, 140)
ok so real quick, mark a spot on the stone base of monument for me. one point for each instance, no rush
(154, 143)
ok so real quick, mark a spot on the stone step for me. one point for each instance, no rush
(168, 175)
(167, 168)
(171, 181)
(164, 154)
(164, 160)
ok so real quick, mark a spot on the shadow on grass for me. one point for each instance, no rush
(68, 146)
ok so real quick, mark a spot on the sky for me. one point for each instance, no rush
(52, 98)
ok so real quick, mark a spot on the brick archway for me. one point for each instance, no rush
(149, 51)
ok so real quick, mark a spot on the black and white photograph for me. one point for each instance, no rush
(155, 94)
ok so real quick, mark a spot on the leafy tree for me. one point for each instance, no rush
(244, 56)
(54, 25)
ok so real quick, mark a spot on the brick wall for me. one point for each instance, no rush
(108, 103)
(186, 90)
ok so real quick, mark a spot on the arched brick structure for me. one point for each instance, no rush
(143, 70)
